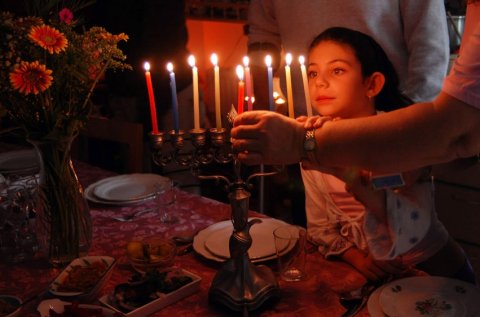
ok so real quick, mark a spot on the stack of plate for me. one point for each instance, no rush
(213, 241)
(125, 189)
(425, 296)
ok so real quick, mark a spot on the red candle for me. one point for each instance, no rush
(151, 97)
(241, 89)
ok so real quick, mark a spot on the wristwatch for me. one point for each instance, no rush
(309, 145)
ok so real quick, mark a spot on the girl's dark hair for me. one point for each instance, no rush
(372, 59)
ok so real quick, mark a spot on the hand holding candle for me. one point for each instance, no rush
(268, 62)
(151, 98)
(216, 70)
(248, 83)
(173, 88)
(241, 85)
(288, 61)
(301, 59)
(196, 102)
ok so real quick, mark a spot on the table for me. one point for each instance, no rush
(316, 296)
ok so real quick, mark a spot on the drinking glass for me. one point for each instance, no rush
(290, 243)
(166, 199)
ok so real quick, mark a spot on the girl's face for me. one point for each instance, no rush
(337, 88)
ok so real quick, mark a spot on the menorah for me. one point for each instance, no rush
(239, 284)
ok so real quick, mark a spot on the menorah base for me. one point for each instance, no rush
(242, 286)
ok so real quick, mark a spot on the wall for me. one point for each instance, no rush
(228, 41)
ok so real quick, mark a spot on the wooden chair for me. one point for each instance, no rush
(107, 133)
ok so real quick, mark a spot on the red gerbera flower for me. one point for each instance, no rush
(31, 78)
(48, 38)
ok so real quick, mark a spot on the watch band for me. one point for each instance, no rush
(310, 146)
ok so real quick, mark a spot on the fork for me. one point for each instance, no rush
(132, 215)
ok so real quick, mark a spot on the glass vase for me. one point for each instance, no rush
(63, 216)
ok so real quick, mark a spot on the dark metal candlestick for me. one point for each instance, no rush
(239, 284)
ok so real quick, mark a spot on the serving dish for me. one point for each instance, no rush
(59, 307)
(10, 306)
(130, 308)
(83, 278)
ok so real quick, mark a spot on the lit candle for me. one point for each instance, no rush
(268, 62)
(196, 107)
(248, 83)
(288, 75)
(173, 88)
(301, 59)
(151, 97)
(241, 89)
(218, 112)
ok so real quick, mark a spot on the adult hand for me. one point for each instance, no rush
(267, 137)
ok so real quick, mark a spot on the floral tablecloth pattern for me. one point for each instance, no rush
(316, 296)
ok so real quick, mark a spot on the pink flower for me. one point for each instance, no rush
(66, 16)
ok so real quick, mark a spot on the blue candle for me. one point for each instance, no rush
(268, 61)
(173, 88)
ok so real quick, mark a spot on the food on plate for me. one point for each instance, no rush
(82, 278)
(143, 289)
(6, 307)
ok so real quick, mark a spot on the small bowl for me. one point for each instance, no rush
(151, 254)
(10, 306)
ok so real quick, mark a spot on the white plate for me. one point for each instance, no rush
(16, 161)
(373, 303)
(59, 307)
(83, 262)
(161, 302)
(122, 189)
(430, 296)
(217, 236)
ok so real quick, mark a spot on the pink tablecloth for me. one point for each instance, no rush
(317, 296)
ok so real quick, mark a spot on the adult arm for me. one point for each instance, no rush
(419, 135)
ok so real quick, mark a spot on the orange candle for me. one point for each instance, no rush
(216, 74)
(241, 89)
(288, 61)
(151, 98)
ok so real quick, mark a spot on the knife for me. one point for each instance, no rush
(365, 291)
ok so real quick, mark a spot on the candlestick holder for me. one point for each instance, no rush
(239, 284)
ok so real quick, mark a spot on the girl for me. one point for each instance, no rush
(350, 76)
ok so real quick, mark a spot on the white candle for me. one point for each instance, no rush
(301, 59)
(241, 85)
(173, 88)
(268, 62)
(288, 61)
(218, 112)
(248, 83)
(196, 106)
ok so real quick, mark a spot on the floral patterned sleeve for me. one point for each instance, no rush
(409, 216)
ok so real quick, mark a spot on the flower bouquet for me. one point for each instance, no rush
(49, 67)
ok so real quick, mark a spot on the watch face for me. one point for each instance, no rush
(309, 145)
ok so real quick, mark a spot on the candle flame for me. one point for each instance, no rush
(288, 59)
(170, 67)
(191, 60)
(301, 59)
(146, 65)
(268, 60)
(239, 71)
(246, 61)
(214, 59)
